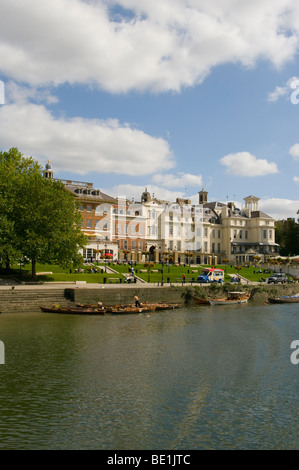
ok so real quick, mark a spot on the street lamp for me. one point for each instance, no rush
(162, 261)
(105, 256)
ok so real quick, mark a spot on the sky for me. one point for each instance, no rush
(168, 95)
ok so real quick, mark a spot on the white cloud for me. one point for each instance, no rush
(159, 46)
(294, 151)
(82, 145)
(279, 208)
(180, 181)
(296, 179)
(245, 164)
(290, 88)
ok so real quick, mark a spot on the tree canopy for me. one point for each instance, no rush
(39, 218)
(287, 235)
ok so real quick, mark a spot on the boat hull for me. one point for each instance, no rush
(284, 300)
(227, 302)
(199, 301)
(130, 310)
(74, 311)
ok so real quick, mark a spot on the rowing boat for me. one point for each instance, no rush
(287, 299)
(231, 299)
(129, 310)
(74, 310)
(200, 301)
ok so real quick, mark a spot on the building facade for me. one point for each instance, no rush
(178, 232)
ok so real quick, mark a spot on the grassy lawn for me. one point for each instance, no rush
(64, 275)
(152, 274)
(175, 273)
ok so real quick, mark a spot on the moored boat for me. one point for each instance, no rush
(129, 310)
(74, 310)
(232, 298)
(284, 299)
(200, 301)
(161, 305)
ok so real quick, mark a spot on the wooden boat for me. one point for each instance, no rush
(161, 306)
(74, 310)
(199, 301)
(284, 299)
(232, 298)
(118, 310)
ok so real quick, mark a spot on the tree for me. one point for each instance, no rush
(13, 169)
(43, 217)
(287, 236)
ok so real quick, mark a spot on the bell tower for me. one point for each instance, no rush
(203, 196)
(48, 172)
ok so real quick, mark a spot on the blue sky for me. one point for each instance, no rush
(171, 95)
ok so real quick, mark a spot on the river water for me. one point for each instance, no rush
(193, 378)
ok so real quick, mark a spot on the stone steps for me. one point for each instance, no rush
(19, 300)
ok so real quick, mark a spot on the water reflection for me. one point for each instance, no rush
(194, 378)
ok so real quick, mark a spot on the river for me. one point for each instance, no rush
(194, 378)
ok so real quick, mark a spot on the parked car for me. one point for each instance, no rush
(277, 277)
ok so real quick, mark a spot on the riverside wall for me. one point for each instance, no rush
(30, 298)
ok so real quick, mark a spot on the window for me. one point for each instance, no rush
(125, 245)
(140, 245)
(171, 230)
(88, 223)
(205, 246)
(133, 245)
(105, 226)
(213, 247)
(270, 234)
(218, 248)
(171, 245)
(265, 233)
(179, 246)
(205, 232)
(118, 228)
(80, 207)
(126, 230)
(246, 234)
(235, 233)
(241, 234)
(88, 208)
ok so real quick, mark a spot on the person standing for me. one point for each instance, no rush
(136, 299)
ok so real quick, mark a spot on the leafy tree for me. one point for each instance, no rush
(43, 222)
(13, 169)
(287, 236)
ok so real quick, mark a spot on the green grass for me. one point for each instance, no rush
(171, 273)
(175, 273)
(60, 274)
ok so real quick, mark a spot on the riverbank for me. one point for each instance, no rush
(24, 298)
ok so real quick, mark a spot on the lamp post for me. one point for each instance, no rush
(105, 257)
